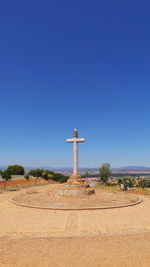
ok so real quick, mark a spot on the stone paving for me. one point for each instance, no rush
(21, 221)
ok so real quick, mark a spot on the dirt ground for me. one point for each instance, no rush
(116, 251)
(32, 237)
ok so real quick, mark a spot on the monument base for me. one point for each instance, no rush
(75, 186)
(75, 179)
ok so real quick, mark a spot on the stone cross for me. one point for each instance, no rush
(75, 142)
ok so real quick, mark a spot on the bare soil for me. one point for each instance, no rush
(105, 251)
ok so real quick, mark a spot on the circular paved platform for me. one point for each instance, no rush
(100, 200)
(20, 222)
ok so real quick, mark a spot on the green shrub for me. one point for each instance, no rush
(58, 177)
(128, 182)
(49, 175)
(120, 181)
(16, 169)
(145, 183)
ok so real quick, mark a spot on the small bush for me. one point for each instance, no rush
(49, 175)
(145, 183)
(120, 181)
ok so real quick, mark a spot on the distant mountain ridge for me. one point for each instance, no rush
(69, 169)
(132, 168)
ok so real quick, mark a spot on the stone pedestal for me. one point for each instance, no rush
(75, 179)
(75, 187)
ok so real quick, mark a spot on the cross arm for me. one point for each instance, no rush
(80, 140)
(70, 140)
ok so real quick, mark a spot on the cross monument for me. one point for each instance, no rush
(75, 140)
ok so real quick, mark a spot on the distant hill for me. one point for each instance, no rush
(132, 168)
(84, 169)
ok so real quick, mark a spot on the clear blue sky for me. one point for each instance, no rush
(75, 64)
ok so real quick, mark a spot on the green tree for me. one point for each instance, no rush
(6, 175)
(37, 173)
(105, 172)
(16, 169)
